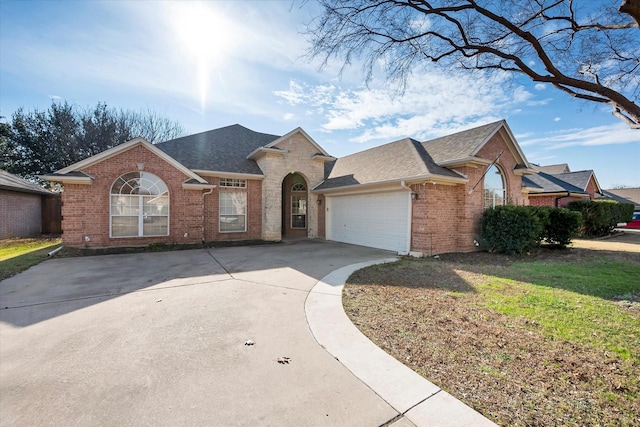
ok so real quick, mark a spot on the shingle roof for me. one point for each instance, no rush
(223, 149)
(9, 181)
(579, 179)
(397, 160)
(553, 169)
(607, 195)
(460, 145)
(550, 183)
(631, 194)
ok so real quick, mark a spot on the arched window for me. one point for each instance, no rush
(139, 206)
(494, 190)
(298, 186)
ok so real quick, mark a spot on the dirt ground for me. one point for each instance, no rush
(502, 366)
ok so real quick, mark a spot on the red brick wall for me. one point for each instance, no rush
(550, 201)
(447, 218)
(20, 214)
(254, 212)
(85, 209)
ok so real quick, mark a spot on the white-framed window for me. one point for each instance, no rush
(233, 182)
(139, 206)
(494, 188)
(299, 206)
(233, 212)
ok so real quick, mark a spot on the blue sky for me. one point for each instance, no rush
(213, 64)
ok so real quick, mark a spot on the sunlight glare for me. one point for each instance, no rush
(208, 37)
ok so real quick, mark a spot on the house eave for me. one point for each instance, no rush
(524, 171)
(263, 151)
(468, 161)
(223, 174)
(85, 180)
(394, 184)
(560, 193)
(193, 186)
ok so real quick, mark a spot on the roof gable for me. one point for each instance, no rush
(100, 157)
(399, 160)
(552, 169)
(224, 149)
(550, 184)
(462, 147)
(303, 133)
(580, 179)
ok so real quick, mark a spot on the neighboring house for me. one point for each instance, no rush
(26, 208)
(624, 195)
(556, 185)
(236, 184)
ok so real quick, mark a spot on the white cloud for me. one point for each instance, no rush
(557, 119)
(433, 104)
(617, 133)
(540, 86)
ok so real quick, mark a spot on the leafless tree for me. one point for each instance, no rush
(588, 49)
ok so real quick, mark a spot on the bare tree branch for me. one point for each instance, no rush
(588, 52)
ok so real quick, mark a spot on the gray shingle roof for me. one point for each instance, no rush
(460, 145)
(632, 195)
(9, 181)
(553, 169)
(550, 183)
(579, 179)
(223, 149)
(397, 160)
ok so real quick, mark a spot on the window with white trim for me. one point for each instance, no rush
(139, 206)
(299, 206)
(494, 188)
(233, 212)
(233, 182)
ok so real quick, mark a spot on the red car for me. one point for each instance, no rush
(635, 221)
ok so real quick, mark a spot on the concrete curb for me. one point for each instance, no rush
(415, 398)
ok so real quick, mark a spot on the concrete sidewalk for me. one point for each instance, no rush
(416, 399)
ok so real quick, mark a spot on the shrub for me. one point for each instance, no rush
(563, 225)
(599, 217)
(510, 229)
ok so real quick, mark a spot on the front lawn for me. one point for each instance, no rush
(17, 255)
(552, 339)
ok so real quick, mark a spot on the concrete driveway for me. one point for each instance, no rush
(158, 339)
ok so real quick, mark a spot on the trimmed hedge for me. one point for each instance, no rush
(510, 229)
(519, 229)
(600, 217)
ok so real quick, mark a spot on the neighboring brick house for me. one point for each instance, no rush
(23, 208)
(556, 186)
(236, 184)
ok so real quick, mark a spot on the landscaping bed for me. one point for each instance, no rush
(552, 338)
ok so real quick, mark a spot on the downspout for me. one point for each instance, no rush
(406, 187)
(561, 197)
(204, 209)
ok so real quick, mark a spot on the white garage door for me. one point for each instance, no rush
(377, 220)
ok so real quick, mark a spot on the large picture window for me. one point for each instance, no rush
(139, 206)
(233, 212)
(494, 190)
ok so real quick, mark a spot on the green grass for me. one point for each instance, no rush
(575, 302)
(16, 255)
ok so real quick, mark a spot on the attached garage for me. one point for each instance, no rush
(378, 220)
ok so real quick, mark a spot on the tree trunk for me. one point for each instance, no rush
(631, 8)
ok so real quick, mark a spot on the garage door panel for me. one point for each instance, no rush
(379, 220)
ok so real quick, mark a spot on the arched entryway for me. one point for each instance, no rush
(295, 212)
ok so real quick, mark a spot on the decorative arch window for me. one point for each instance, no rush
(494, 188)
(139, 206)
(298, 186)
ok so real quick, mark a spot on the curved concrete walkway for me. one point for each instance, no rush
(417, 400)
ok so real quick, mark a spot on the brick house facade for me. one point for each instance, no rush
(236, 184)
